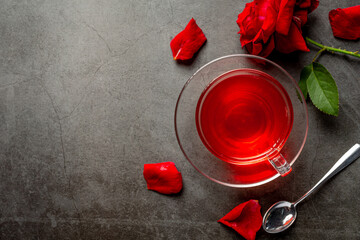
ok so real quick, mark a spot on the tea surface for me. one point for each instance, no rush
(243, 115)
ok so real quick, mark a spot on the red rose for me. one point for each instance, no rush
(266, 25)
(257, 25)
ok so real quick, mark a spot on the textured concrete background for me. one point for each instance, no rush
(87, 96)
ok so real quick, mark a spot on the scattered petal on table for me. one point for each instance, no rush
(163, 177)
(345, 23)
(187, 42)
(246, 219)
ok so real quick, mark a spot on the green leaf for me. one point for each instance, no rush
(322, 88)
(303, 77)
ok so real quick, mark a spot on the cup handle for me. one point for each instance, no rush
(280, 164)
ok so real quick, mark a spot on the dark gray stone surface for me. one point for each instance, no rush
(87, 96)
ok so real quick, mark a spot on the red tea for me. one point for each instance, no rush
(243, 116)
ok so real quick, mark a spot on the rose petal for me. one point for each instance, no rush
(261, 49)
(247, 31)
(303, 3)
(293, 41)
(302, 15)
(345, 23)
(285, 16)
(313, 5)
(309, 5)
(187, 42)
(246, 219)
(265, 16)
(163, 177)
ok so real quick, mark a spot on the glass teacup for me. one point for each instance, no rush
(241, 120)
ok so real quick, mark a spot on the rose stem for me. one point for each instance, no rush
(330, 49)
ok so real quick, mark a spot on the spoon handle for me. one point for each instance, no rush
(350, 156)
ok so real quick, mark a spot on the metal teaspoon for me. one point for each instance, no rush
(282, 215)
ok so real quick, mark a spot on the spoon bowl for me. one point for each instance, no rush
(279, 217)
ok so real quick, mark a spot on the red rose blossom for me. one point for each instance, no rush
(266, 25)
(246, 219)
(187, 42)
(345, 23)
(163, 177)
(257, 25)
